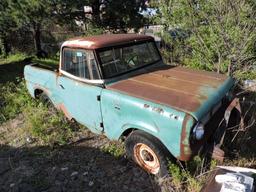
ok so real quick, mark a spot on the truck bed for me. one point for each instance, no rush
(44, 66)
(41, 77)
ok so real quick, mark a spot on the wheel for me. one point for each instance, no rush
(148, 152)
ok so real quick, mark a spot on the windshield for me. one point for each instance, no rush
(119, 60)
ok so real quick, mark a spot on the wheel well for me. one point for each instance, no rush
(127, 132)
(38, 92)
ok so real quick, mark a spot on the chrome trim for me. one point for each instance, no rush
(98, 81)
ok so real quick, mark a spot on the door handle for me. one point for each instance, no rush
(61, 86)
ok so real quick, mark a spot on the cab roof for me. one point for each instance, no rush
(101, 41)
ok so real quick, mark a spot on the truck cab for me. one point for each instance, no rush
(118, 85)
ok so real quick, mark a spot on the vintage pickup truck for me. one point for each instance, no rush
(118, 85)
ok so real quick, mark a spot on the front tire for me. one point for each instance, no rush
(148, 152)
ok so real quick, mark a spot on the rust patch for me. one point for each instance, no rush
(234, 104)
(101, 41)
(157, 95)
(146, 158)
(64, 110)
(185, 151)
(218, 154)
(146, 106)
(158, 109)
(176, 87)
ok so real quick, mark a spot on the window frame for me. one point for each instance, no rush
(85, 80)
(125, 45)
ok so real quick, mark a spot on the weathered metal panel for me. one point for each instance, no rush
(38, 78)
(108, 40)
(76, 100)
(185, 142)
(80, 99)
(121, 112)
(191, 91)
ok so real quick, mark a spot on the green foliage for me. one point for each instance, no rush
(8, 24)
(247, 74)
(122, 15)
(93, 30)
(13, 58)
(13, 99)
(220, 33)
(41, 122)
(192, 176)
(115, 149)
(47, 125)
(177, 176)
(48, 61)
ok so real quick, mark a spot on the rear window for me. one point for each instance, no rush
(80, 63)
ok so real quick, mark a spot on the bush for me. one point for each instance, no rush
(221, 36)
(14, 98)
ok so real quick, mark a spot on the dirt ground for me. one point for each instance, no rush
(81, 166)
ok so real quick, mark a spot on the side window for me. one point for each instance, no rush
(75, 62)
(93, 64)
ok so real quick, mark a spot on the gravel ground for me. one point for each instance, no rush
(82, 166)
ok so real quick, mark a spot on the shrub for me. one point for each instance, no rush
(13, 99)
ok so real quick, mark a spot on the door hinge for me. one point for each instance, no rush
(98, 97)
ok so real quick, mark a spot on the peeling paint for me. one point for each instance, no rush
(185, 150)
(62, 107)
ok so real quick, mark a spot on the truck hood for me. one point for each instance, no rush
(191, 91)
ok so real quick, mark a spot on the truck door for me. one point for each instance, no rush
(79, 89)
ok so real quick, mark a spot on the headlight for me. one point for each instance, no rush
(198, 131)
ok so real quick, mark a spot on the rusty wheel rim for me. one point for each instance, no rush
(146, 158)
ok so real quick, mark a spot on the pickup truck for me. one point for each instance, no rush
(119, 86)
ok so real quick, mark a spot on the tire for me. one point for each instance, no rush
(148, 152)
(46, 100)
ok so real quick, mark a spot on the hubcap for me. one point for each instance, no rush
(146, 158)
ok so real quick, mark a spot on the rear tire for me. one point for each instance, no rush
(45, 100)
(148, 152)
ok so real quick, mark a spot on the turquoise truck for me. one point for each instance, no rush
(119, 86)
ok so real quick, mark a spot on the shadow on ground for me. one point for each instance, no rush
(11, 71)
(72, 168)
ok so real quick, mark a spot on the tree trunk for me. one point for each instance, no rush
(96, 12)
(37, 40)
(6, 46)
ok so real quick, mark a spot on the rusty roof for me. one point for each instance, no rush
(107, 40)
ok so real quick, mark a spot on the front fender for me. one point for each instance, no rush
(123, 112)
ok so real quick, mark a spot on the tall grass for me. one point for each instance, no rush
(13, 58)
(41, 122)
(191, 176)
